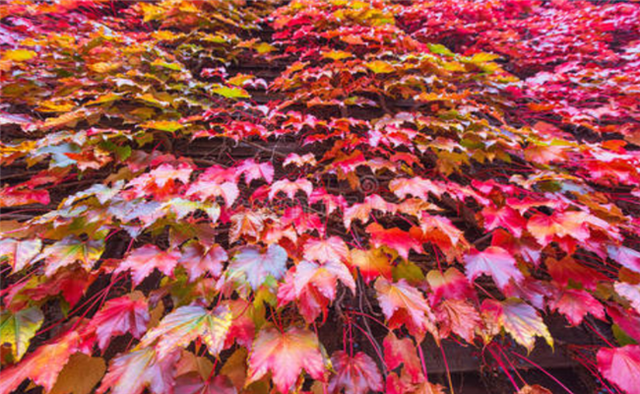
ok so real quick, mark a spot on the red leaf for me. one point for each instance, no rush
(285, 355)
(394, 238)
(289, 188)
(253, 170)
(568, 269)
(575, 304)
(145, 259)
(372, 263)
(402, 351)
(402, 304)
(119, 316)
(451, 284)
(42, 366)
(198, 259)
(417, 187)
(15, 196)
(330, 249)
(505, 217)
(494, 261)
(130, 373)
(355, 375)
(561, 224)
(458, 316)
(621, 366)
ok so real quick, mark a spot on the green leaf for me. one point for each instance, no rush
(18, 329)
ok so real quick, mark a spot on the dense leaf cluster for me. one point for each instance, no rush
(193, 191)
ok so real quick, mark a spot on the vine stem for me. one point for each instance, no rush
(543, 371)
(423, 362)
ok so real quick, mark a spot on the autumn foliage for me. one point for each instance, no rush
(231, 196)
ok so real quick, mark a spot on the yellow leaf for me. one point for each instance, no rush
(19, 55)
(50, 106)
(231, 92)
(163, 125)
(80, 375)
(483, 57)
(239, 79)
(337, 55)
(104, 67)
(166, 35)
(264, 47)
(379, 67)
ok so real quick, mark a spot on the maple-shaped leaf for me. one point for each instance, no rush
(404, 305)
(313, 286)
(132, 372)
(20, 254)
(506, 217)
(575, 304)
(69, 251)
(458, 316)
(442, 233)
(354, 375)
(403, 352)
(145, 259)
(247, 224)
(123, 315)
(372, 263)
(416, 186)
(519, 319)
(494, 261)
(18, 329)
(629, 292)
(323, 276)
(42, 366)
(250, 264)
(621, 366)
(626, 257)
(290, 188)
(300, 161)
(361, 211)
(208, 185)
(285, 354)
(452, 284)
(547, 228)
(568, 269)
(162, 175)
(394, 238)
(309, 300)
(330, 249)
(198, 259)
(185, 324)
(253, 170)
